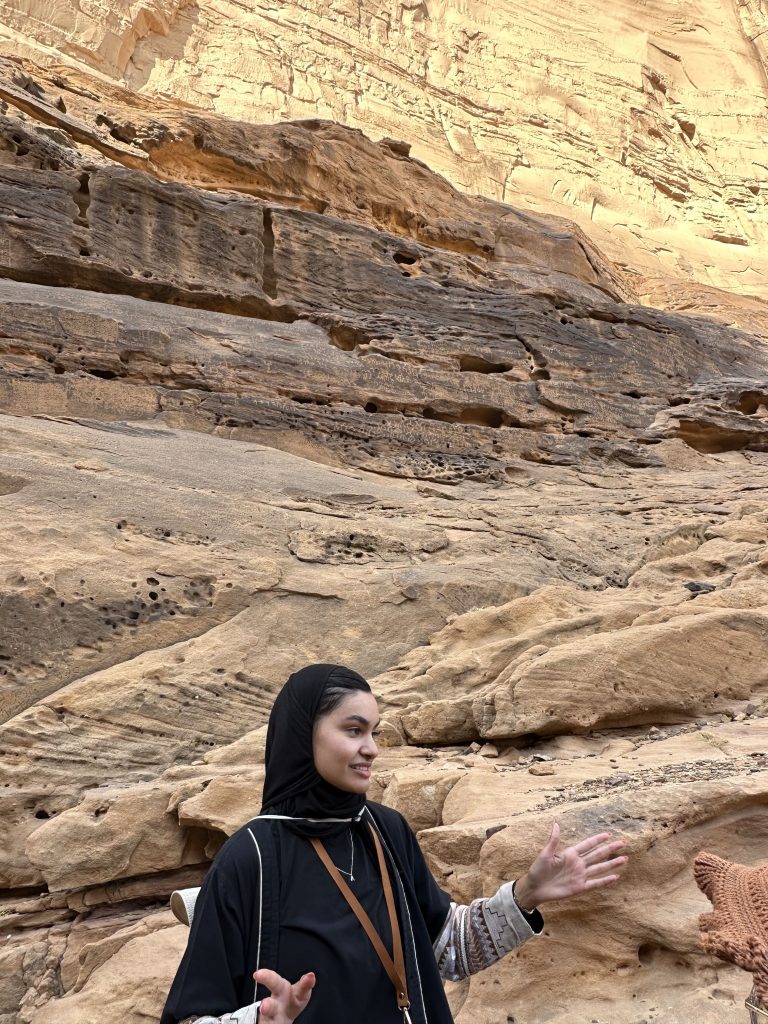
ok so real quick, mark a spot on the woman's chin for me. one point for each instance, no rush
(357, 784)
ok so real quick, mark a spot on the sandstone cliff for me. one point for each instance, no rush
(271, 394)
(644, 123)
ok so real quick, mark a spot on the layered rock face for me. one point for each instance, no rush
(645, 123)
(273, 395)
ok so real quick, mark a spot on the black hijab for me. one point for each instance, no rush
(293, 786)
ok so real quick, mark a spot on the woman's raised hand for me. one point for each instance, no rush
(287, 1000)
(557, 874)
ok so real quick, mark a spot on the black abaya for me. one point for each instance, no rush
(307, 926)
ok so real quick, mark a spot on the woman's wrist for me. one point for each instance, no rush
(524, 895)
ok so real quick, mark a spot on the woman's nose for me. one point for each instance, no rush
(369, 748)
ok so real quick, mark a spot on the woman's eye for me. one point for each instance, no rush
(354, 731)
(377, 733)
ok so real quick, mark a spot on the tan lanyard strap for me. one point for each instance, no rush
(397, 945)
(394, 968)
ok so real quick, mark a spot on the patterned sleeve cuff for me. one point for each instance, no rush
(509, 924)
(476, 936)
(245, 1015)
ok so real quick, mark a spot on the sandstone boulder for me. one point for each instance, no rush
(116, 835)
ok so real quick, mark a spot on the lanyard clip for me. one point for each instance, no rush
(406, 1015)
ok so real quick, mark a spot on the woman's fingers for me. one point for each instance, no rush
(599, 853)
(553, 842)
(301, 991)
(596, 883)
(286, 1001)
(590, 843)
(596, 870)
(276, 984)
(558, 874)
(269, 1009)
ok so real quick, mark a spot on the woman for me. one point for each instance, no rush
(278, 902)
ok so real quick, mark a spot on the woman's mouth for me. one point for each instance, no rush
(363, 770)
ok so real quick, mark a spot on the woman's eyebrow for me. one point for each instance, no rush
(360, 719)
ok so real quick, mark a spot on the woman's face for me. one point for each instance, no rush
(344, 744)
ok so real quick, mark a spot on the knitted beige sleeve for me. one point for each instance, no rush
(736, 929)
